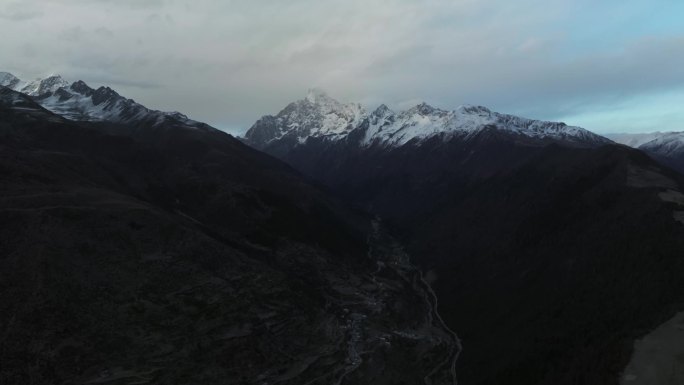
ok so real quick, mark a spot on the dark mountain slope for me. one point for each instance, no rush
(549, 261)
(178, 256)
(408, 181)
(549, 273)
(666, 147)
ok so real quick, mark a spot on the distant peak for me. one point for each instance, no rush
(104, 90)
(82, 88)
(326, 104)
(53, 77)
(45, 85)
(8, 80)
(382, 110)
(423, 109)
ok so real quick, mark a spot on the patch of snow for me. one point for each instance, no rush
(40, 87)
(424, 121)
(9, 80)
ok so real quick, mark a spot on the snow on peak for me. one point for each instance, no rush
(635, 140)
(327, 105)
(35, 88)
(317, 115)
(423, 109)
(83, 103)
(382, 111)
(80, 102)
(82, 88)
(424, 121)
(8, 80)
(44, 86)
(667, 144)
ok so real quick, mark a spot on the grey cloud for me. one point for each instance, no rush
(73, 34)
(228, 62)
(104, 32)
(134, 4)
(570, 87)
(19, 11)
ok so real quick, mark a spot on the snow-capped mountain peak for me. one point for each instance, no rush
(381, 111)
(666, 144)
(635, 140)
(44, 86)
(327, 105)
(80, 102)
(667, 147)
(423, 109)
(8, 80)
(82, 88)
(318, 115)
(37, 87)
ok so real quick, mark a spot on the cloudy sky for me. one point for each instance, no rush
(609, 66)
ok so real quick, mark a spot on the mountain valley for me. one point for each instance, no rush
(551, 248)
(421, 246)
(148, 252)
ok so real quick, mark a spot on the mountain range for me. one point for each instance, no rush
(551, 248)
(329, 245)
(79, 102)
(149, 251)
(318, 116)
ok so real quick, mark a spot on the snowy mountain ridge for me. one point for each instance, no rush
(663, 143)
(634, 140)
(320, 116)
(667, 147)
(79, 102)
(666, 144)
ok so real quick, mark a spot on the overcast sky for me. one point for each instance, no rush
(617, 66)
